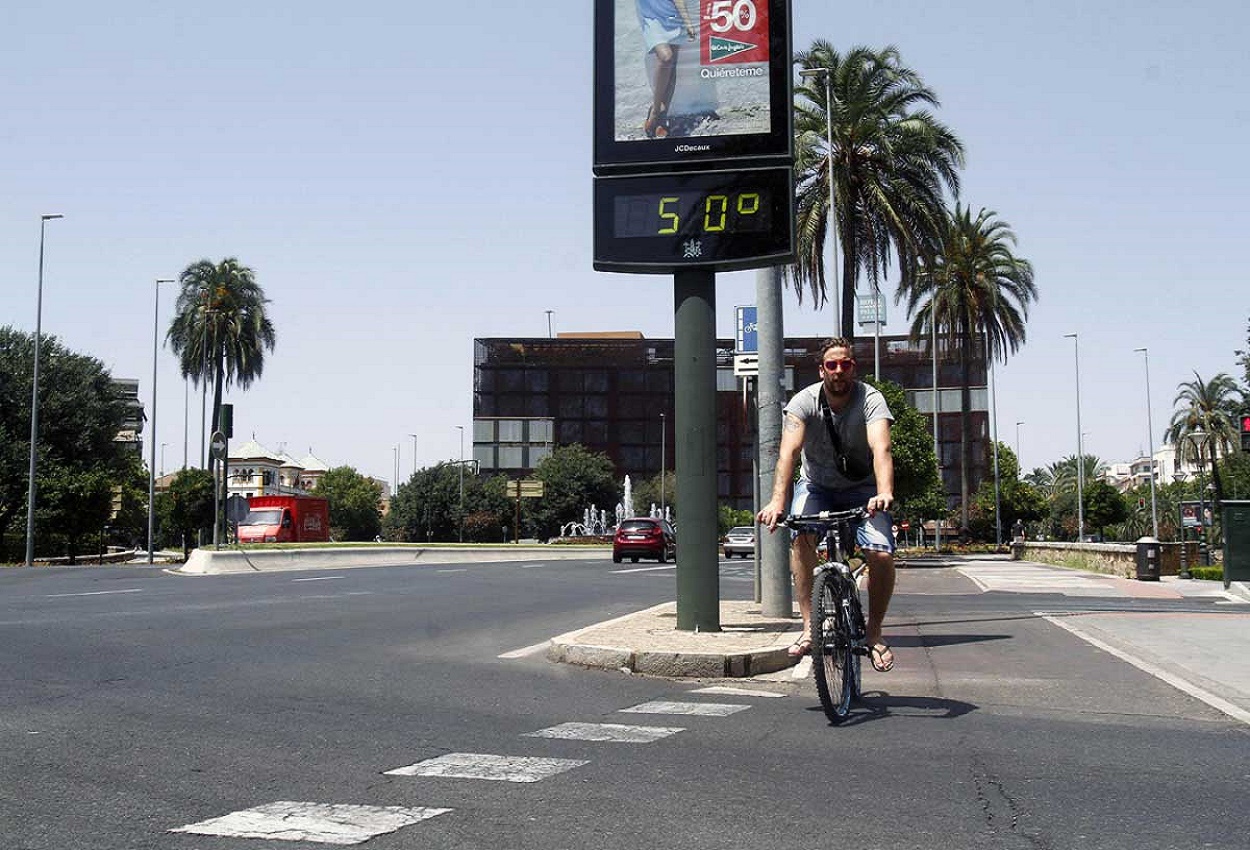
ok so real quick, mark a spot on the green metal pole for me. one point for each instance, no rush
(694, 373)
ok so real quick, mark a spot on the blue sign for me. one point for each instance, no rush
(748, 339)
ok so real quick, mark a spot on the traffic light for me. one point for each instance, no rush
(1245, 433)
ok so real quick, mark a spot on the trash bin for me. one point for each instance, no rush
(1147, 559)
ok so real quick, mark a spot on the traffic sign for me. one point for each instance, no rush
(526, 488)
(217, 446)
(746, 365)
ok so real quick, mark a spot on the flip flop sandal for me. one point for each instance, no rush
(801, 647)
(879, 662)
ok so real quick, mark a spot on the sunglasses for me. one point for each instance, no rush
(834, 365)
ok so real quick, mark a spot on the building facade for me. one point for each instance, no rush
(613, 393)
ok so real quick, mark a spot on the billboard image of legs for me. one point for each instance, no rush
(691, 68)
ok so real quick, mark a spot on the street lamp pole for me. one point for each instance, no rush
(1154, 511)
(461, 512)
(156, 318)
(549, 334)
(414, 455)
(998, 502)
(832, 219)
(34, 401)
(1018, 463)
(663, 463)
(1080, 445)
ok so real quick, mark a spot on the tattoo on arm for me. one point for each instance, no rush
(791, 423)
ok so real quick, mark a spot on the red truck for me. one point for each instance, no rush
(285, 519)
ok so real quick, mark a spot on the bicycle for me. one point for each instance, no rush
(839, 634)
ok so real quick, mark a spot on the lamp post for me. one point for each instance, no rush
(663, 462)
(1150, 428)
(34, 401)
(461, 511)
(414, 455)
(186, 412)
(998, 502)
(1080, 445)
(163, 445)
(156, 318)
(827, 74)
(549, 335)
(1018, 424)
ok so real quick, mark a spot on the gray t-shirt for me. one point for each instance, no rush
(819, 459)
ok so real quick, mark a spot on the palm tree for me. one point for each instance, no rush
(221, 330)
(1206, 424)
(890, 161)
(979, 293)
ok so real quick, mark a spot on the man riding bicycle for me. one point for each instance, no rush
(840, 429)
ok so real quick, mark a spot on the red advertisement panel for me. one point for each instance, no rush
(734, 32)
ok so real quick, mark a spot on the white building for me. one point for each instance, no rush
(1124, 476)
(254, 470)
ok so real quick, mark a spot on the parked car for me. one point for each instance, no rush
(644, 537)
(740, 541)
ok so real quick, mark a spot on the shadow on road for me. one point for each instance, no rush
(877, 705)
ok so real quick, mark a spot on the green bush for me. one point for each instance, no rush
(1208, 573)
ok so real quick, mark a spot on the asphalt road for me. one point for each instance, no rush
(137, 702)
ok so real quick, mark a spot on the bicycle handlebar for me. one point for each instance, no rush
(823, 518)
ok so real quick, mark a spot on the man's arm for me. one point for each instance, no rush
(792, 430)
(882, 465)
(684, 11)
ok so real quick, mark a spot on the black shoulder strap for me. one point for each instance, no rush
(827, 415)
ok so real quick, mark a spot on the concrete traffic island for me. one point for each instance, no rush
(206, 561)
(648, 642)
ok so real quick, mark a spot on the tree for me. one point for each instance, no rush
(1063, 475)
(80, 414)
(917, 484)
(191, 507)
(428, 507)
(647, 493)
(1243, 360)
(1018, 500)
(1104, 506)
(978, 293)
(890, 163)
(574, 478)
(221, 330)
(354, 502)
(1205, 424)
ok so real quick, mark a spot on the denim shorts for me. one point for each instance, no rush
(875, 533)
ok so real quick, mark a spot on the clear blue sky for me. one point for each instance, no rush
(404, 177)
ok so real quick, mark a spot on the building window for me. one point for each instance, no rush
(483, 431)
(511, 431)
(540, 432)
(511, 457)
(538, 454)
(485, 456)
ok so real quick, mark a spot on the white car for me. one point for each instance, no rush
(740, 541)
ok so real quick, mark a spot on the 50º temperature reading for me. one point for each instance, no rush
(662, 214)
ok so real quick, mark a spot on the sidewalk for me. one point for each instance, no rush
(1204, 653)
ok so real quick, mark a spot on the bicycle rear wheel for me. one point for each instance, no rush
(833, 660)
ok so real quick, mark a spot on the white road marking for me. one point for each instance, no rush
(532, 566)
(484, 766)
(606, 732)
(737, 692)
(319, 578)
(702, 709)
(1023, 579)
(1218, 703)
(320, 822)
(452, 571)
(94, 593)
(645, 569)
(526, 650)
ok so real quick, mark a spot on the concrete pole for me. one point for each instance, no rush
(773, 549)
(694, 373)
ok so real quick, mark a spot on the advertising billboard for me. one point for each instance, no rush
(684, 83)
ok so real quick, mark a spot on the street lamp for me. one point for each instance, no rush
(156, 317)
(1150, 428)
(461, 428)
(1080, 445)
(34, 401)
(414, 455)
(549, 335)
(827, 74)
(1018, 463)
(663, 463)
(163, 445)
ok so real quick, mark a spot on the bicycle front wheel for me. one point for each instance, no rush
(833, 660)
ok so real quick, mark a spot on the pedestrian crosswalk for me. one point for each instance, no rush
(354, 823)
(1031, 578)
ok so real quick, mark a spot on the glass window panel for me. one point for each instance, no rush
(540, 431)
(512, 404)
(633, 459)
(632, 433)
(659, 382)
(537, 380)
(596, 407)
(596, 433)
(511, 431)
(571, 406)
(631, 381)
(726, 381)
(510, 380)
(537, 454)
(483, 430)
(597, 381)
(536, 405)
(511, 457)
(485, 456)
(570, 432)
(571, 381)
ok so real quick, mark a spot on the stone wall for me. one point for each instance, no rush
(1117, 559)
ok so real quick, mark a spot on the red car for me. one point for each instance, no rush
(644, 537)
